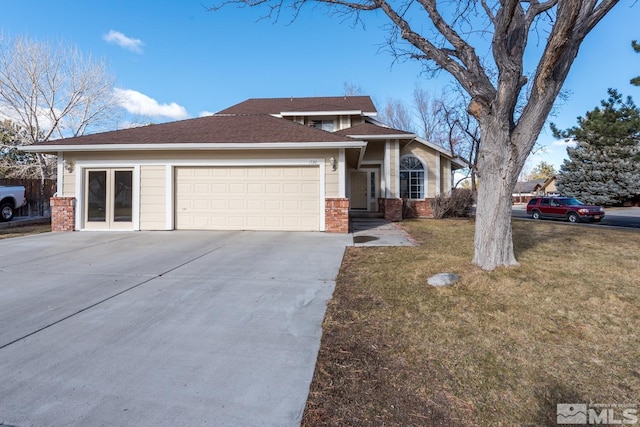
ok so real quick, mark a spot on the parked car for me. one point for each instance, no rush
(11, 198)
(569, 208)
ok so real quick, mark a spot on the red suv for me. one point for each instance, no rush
(573, 210)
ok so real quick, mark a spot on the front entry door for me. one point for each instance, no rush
(359, 190)
(108, 199)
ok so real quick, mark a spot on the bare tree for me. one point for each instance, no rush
(427, 110)
(352, 89)
(50, 91)
(397, 115)
(15, 163)
(461, 133)
(452, 36)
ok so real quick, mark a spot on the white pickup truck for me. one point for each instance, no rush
(11, 198)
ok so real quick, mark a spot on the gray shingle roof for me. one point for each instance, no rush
(212, 129)
(324, 103)
(527, 186)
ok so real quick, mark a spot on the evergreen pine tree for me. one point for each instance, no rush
(636, 46)
(604, 166)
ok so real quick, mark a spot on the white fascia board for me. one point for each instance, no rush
(194, 146)
(454, 160)
(458, 162)
(389, 136)
(321, 113)
(441, 150)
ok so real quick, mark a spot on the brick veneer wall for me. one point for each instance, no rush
(63, 213)
(392, 209)
(419, 209)
(336, 215)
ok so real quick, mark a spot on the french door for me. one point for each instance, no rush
(108, 199)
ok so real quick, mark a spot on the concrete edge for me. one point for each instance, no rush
(23, 221)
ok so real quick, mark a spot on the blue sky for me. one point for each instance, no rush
(176, 60)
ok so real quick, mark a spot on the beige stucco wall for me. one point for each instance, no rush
(69, 184)
(429, 157)
(374, 151)
(445, 174)
(153, 197)
(551, 188)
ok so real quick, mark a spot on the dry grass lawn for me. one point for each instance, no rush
(7, 233)
(497, 348)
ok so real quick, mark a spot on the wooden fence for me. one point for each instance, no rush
(37, 194)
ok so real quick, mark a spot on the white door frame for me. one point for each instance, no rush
(371, 198)
(81, 186)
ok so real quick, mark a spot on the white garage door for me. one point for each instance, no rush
(248, 198)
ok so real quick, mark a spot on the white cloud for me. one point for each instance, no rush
(134, 45)
(205, 113)
(567, 142)
(140, 104)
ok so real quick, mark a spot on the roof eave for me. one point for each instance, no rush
(389, 136)
(192, 146)
(322, 113)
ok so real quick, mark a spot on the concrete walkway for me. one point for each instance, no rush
(162, 328)
(379, 232)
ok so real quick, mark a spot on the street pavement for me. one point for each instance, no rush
(614, 217)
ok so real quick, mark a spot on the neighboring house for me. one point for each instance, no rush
(548, 188)
(525, 190)
(263, 164)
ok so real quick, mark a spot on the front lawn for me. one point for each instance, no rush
(497, 348)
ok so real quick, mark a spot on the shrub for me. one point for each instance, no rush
(457, 204)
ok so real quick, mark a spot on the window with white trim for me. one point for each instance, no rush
(411, 178)
(327, 125)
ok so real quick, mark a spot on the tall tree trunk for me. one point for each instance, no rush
(497, 172)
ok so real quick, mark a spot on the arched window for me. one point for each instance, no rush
(411, 178)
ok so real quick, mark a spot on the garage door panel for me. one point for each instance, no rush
(237, 172)
(248, 198)
(255, 188)
(255, 205)
(238, 188)
(309, 187)
(273, 205)
(291, 172)
(272, 172)
(201, 173)
(271, 188)
(309, 173)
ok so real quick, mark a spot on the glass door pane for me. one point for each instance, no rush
(97, 196)
(122, 196)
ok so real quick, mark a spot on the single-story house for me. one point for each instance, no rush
(262, 164)
(526, 190)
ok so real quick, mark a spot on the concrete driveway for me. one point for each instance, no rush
(162, 328)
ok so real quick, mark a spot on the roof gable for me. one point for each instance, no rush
(363, 104)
